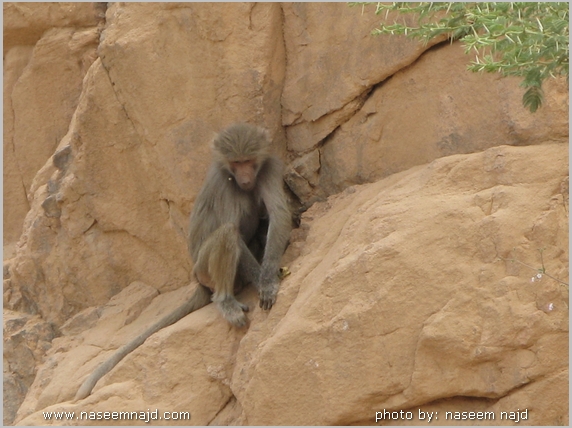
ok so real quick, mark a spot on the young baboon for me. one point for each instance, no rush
(239, 228)
(243, 189)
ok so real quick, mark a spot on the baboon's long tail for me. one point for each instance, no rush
(200, 298)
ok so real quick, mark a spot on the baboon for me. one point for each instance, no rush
(239, 229)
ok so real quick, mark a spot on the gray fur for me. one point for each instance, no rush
(227, 242)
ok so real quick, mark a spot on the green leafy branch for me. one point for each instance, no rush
(529, 40)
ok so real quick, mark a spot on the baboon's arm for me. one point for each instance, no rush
(279, 228)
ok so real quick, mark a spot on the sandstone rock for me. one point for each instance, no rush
(87, 336)
(187, 358)
(431, 110)
(413, 273)
(380, 105)
(26, 339)
(119, 210)
(302, 176)
(404, 298)
(193, 60)
(15, 197)
(46, 95)
(25, 23)
(333, 62)
(41, 88)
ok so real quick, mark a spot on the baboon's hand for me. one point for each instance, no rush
(267, 290)
(267, 297)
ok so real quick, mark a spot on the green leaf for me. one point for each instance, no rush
(524, 39)
(532, 98)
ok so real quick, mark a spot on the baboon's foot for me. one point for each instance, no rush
(233, 311)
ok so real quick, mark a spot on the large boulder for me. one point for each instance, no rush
(413, 293)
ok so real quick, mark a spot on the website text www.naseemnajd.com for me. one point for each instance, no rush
(144, 416)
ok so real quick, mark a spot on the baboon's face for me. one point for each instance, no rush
(244, 172)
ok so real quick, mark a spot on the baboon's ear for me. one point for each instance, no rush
(212, 140)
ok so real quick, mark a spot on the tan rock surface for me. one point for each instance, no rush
(107, 121)
(48, 49)
(369, 107)
(191, 373)
(400, 298)
(333, 62)
(118, 212)
(433, 109)
(25, 22)
(399, 301)
(26, 339)
(15, 196)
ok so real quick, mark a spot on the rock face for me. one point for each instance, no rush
(367, 107)
(115, 209)
(404, 296)
(48, 48)
(432, 95)
(26, 340)
(408, 293)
